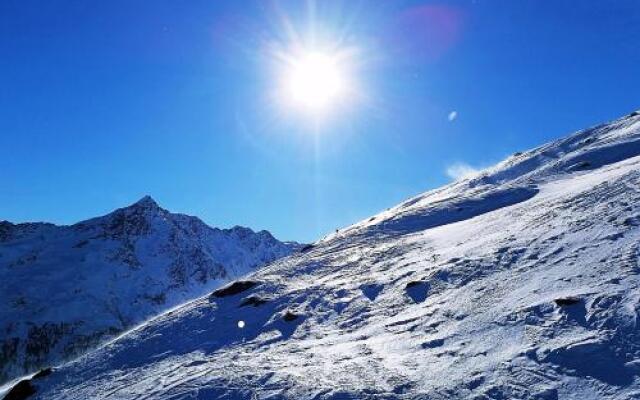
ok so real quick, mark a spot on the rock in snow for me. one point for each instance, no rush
(67, 288)
(459, 293)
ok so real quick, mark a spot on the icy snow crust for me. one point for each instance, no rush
(522, 283)
(67, 288)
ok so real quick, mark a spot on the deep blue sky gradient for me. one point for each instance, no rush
(104, 102)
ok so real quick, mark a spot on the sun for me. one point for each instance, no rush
(315, 81)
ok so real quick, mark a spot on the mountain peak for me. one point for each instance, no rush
(437, 279)
(146, 202)
(127, 266)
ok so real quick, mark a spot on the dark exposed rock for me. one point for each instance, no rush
(43, 372)
(290, 316)
(567, 301)
(433, 343)
(306, 248)
(234, 288)
(21, 390)
(253, 301)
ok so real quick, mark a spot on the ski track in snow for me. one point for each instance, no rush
(521, 283)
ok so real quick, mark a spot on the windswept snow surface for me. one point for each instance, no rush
(65, 289)
(521, 283)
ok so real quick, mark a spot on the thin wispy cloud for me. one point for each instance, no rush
(452, 116)
(460, 170)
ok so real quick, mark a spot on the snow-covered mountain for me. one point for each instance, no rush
(66, 288)
(520, 283)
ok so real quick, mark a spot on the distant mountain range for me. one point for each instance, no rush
(65, 289)
(522, 282)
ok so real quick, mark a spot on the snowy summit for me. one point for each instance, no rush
(66, 289)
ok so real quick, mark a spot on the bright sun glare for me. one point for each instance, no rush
(315, 80)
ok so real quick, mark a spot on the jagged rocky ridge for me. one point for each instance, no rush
(521, 283)
(67, 288)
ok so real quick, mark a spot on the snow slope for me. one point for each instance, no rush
(521, 283)
(66, 288)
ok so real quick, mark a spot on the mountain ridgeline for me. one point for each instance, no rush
(522, 282)
(66, 289)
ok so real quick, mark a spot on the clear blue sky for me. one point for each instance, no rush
(104, 102)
